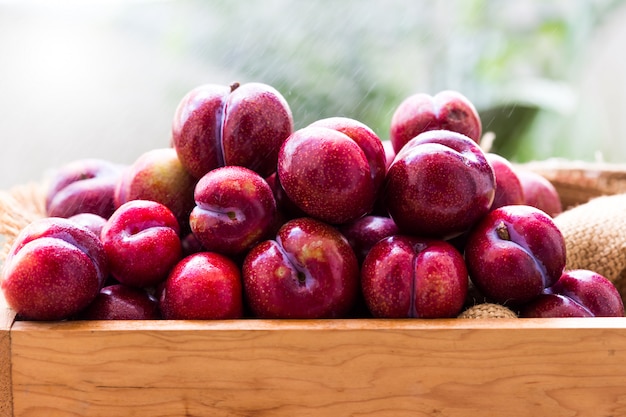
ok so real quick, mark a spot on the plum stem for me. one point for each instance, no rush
(234, 86)
(502, 231)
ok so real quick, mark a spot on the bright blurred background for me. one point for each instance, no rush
(102, 78)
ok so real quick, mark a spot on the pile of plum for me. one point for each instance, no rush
(242, 216)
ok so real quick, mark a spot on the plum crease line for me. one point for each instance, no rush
(292, 260)
(219, 139)
(542, 268)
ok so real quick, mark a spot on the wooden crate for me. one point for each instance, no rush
(347, 367)
(351, 367)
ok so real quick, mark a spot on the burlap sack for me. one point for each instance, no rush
(488, 311)
(595, 237)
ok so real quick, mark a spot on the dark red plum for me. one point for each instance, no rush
(202, 286)
(403, 276)
(83, 186)
(93, 222)
(540, 192)
(244, 125)
(577, 293)
(591, 290)
(327, 174)
(508, 185)
(142, 243)
(286, 208)
(122, 302)
(421, 112)
(309, 271)
(365, 232)
(191, 244)
(439, 185)
(553, 306)
(368, 141)
(514, 253)
(390, 154)
(157, 175)
(235, 209)
(54, 269)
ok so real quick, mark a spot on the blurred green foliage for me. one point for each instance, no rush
(516, 60)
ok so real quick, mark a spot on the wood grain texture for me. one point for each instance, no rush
(6, 321)
(459, 367)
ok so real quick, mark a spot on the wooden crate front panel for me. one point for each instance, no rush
(341, 367)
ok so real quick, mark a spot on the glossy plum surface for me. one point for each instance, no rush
(591, 290)
(448, 110)
(540, 193)
(514, 253)
(235, 209)
(90, 221)
(54, 269)
(327, 175)
(439, 185)
(308, 271)
(552, 306)
(365, 232)
(404, 276)
(245, 125)
(202, 286)
(368, 141)
(158, 175)
(142, 243)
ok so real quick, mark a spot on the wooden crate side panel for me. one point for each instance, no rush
(6, 398)
(7, 317)
(432, 370)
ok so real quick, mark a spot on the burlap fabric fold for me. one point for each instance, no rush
(595, 237)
